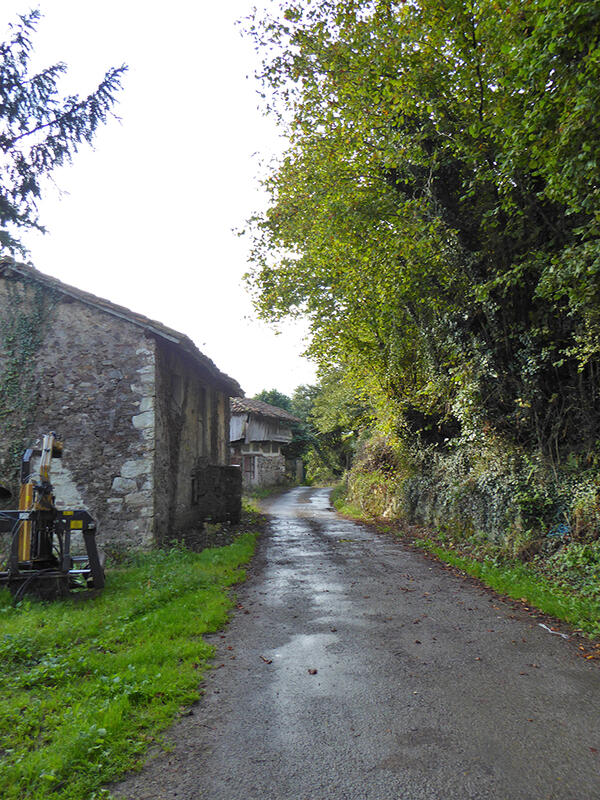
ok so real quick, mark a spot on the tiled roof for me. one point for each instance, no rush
(242, 405)
(8, 265)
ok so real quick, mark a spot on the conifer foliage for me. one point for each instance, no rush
(39, 128)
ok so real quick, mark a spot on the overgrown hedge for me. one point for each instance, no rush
(511, 503)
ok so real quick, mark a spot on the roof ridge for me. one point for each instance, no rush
(7, 263)
(241, 404)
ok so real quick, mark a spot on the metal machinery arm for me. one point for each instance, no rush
(40, 559)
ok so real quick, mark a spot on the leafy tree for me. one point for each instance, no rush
(275, 398)
(435, 215)
(331, 418)
(39, 128)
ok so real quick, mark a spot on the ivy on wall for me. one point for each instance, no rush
(22, 328)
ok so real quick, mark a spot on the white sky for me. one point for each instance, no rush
(145, 219)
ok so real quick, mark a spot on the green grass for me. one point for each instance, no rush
(337, 497)
(87, 684)
(262, 492)
(529, 583)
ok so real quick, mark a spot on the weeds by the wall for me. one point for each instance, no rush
(517, 501)
(516, 520)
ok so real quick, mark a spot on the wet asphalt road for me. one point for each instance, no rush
(427, 686)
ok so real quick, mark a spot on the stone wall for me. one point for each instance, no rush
(269, 470)
(90, 379)
(216, 494)
(192, 428)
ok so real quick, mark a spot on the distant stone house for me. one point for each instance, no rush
(142, 413)
(258, 433)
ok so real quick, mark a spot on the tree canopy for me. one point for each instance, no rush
(436, 213)
(275, 398)
(39, 128)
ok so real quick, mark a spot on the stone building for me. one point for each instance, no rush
(258, 433)
(142, 413)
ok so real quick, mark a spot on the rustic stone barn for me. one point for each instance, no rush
(143, 414)
(258, 434)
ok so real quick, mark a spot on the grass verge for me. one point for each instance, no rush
(87, 684)
(518, 581)
(254, 496)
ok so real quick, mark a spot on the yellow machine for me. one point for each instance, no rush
(39, 559)
(40, 500)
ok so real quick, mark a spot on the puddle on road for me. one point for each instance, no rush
(304, 533)
(304, 652)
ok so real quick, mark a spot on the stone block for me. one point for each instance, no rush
(143, 420)
(147, 403)
(133, 469)
(124, 485)
(138, 500)
(146, 378)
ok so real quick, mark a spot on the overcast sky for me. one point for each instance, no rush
(145, 219)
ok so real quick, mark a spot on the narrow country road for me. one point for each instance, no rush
(427, 687)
